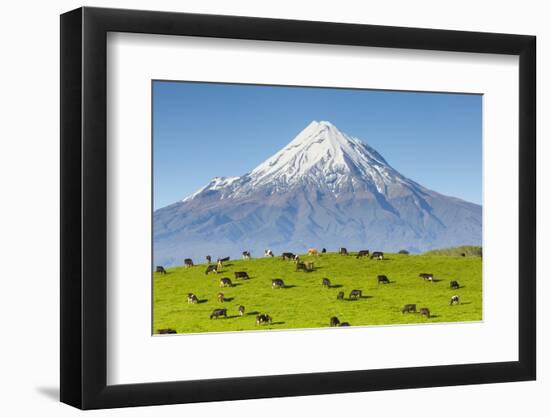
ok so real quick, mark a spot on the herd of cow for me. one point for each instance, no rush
(306, 266)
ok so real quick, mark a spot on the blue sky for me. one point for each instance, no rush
(203, 130)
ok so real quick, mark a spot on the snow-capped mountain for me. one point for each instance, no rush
(324, 189)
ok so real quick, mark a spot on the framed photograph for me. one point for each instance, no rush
(257, 208)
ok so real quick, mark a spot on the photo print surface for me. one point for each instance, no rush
(281, 207)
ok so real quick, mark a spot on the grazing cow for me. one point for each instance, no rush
(340, 295)
(454, 285)
(211, 268)
(305, 266)
(241, 275)
(268, 252)
(263, 318)
(426, 276)
(161, 270)
(300, 266)
(334, 322)
(220, 262)
(208, 259)
(221, 297)
(219, 312)
(409, 308)
(241, 310)
(225, 282)
(362, 253)
(246, 254)
(377, 255)
(188, 262)
(166, 331)
(312, 252)
(344, 324)
(355, 294)
(288, 255)
(343, 251)
(424, 311)
(324, 250)
(455, 299)
(277, 283)
(382, 279)
(192, 298)
(326, 282)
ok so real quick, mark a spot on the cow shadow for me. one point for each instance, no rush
(289, 286)
(433, 316)
(336, 286)
(253, 313)
(228, 299)
(236, 284)
(363, 297)
(466, 303)
(234, 316)
(202, 301)
(277, 322)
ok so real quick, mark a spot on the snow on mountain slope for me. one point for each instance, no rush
(320, 155)
(325, 188)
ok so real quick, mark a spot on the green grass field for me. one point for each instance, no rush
(305, 303)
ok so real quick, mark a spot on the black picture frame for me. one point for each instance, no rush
(84, 207)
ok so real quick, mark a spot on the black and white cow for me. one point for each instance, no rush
(241, 310)
(426, 276)
(241, 275)
(225, 282)
(219, 312)
(277, 283)
(334, 322)
(340, 295)
(192, 298)
(288, 255)
(362, 253)
(269, 253)
(377, 255)
(211, 268)
(326, 282)
(343, 251)
(455, 299)
(221, 297)
(246, 254)
(220, 261)
(355, 294)
(208, 259)
(454, 285)
(382, 279)
(188, 262)
(409, 308)
(263, 318)
(161, 270)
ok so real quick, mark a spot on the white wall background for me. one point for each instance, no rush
(29, 236)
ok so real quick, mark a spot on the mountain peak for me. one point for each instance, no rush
(321, 149)
(320, 156)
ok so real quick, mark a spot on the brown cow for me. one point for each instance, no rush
(312, 252)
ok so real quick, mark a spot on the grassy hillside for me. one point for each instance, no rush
(306, 304)
(456, 251)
